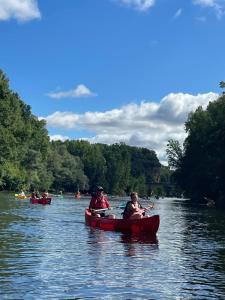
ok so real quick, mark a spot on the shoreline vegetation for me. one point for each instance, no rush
(199, 164)
(30, 161)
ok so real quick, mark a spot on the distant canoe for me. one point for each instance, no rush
(43, 201)
(148, 225)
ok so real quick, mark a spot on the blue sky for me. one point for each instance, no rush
(114, 70)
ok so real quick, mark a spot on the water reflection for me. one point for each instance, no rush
(132, 242)
(102, 241)
(49, 253)
(139, 238)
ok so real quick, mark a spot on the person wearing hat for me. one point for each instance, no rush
(99, 201)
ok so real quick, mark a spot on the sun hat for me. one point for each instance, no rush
(100, 188)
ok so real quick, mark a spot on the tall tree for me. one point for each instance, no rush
(20, 134)
(200, 171)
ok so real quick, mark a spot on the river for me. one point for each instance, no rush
(47, 252)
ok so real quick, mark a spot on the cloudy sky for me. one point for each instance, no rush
(114, 70)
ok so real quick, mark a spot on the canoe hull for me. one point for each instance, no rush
(43, 201)
(147, 225)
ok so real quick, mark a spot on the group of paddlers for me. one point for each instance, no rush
(133, 210)
(36, 195)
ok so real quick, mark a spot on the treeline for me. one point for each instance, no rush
(28, 160)
(200, 162)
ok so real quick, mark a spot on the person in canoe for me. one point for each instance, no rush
(99, 201)
(45, 195)
(22, 194)
(35, 195)
(134, 209)
(77, 195)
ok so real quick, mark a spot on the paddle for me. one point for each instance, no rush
(121, 206)
(151, 206)
(99, 210)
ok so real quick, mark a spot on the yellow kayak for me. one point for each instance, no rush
(20, 196)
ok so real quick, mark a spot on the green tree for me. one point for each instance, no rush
(201, 170)
(92, 159)
(222, 84)
(66, 169)
(118, 164)
(20, 134)
(174, 154)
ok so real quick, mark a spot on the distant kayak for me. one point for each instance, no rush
(20, 196)
(41, 200)
(148, 225)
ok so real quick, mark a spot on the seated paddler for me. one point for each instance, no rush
(134, 209)
(99, 201)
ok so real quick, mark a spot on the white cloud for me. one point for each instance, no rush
(178, 13)
(142, 5)
(205, 2)
(21, 10)
(80, 91)
(148, 124)
(58, 137)
(64, 120)
(217, 5)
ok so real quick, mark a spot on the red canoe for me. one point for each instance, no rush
(147, 225)
(41, 200)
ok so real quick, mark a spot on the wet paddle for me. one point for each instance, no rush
(121, 206)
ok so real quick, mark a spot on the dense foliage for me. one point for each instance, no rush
(24, 142)
(200, 165)
(30, 161)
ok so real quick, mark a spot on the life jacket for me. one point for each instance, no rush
(99, 202)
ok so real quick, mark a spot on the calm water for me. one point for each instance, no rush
(47, 252)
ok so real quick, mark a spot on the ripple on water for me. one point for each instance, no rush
(47, 252)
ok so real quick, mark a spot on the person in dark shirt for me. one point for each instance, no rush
(134, 209)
